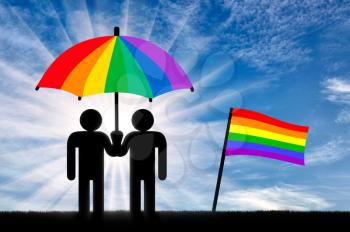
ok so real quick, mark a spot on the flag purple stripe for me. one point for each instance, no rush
(260, 147)
(173, 71)
(264, 154)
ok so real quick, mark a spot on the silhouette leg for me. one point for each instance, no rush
(135, 196)
(98, 197)
(150, 196)
(84, 193)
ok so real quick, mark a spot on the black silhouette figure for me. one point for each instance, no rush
(91, 145)
(142, 145)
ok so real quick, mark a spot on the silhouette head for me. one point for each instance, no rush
(142, 120)
(90, 120)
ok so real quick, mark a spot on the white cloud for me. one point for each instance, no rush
(265, 33)
(284, 197)
(332, 151)
(337, 85)
(337, 90)
(174, 17)
(343, 116)
(175, 27)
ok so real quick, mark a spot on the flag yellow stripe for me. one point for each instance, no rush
(96, 80)
(268, 127)
(266, 134)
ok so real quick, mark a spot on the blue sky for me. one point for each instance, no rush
(287, 59)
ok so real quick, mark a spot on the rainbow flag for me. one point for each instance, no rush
(252, 133)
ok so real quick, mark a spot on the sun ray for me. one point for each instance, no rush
(108, 176)
(37, 175)
(61, 24)
(112, 185)
(11, 158)
(126, 18)
(60, 198)
(161, 197)
(43, 195)
(25, 24)
(89, 18)
(116, 183)
(149, 32)
(215, 73)
(180, 26)
(40, 194)
(124, 173)
(79, 30)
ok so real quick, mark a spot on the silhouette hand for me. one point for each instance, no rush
(117, 137)
(117, 134)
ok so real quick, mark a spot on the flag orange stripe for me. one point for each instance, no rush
(246, 130)
(267, 119)
(265, 126)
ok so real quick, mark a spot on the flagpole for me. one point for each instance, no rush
(221, 168)
(116, 95)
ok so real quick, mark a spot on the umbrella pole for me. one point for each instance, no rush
(116, 97)
(116, 106)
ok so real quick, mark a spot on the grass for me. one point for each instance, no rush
(169, 219)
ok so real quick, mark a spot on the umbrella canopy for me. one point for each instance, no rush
(115, 64)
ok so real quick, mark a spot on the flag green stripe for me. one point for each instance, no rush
(268, 142)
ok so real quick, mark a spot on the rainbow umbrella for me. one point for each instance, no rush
(113, 64)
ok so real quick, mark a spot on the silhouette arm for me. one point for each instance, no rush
(124, 147)
(162, 156)
(71, 145)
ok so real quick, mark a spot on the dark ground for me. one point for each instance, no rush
(270, 220)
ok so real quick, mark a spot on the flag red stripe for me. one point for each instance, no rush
(266, 119)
